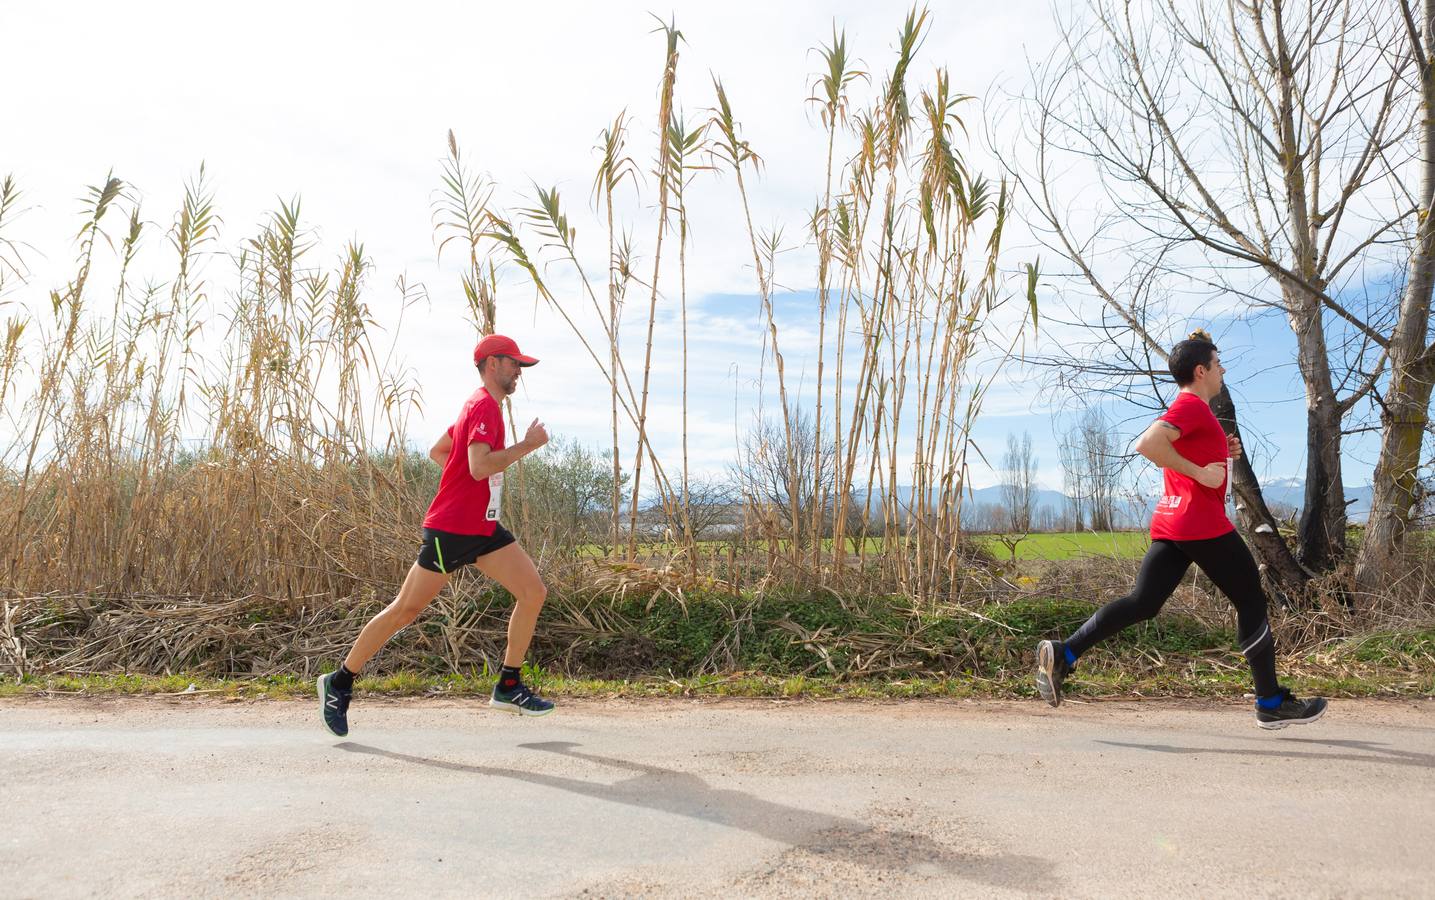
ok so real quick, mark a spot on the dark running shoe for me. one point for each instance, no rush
(334, 705)
(1291, 712)
(520, 700)
(1051, 670)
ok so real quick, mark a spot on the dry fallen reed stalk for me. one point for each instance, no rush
(613, 618)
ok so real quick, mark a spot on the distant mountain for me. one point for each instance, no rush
(1044, 499)
(1128, 515)
(1289, 492)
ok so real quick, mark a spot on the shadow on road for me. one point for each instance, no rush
(1375, 752)
(823, 835)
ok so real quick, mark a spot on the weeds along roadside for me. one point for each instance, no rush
(612, 621)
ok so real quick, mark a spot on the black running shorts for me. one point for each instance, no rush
(446, 552)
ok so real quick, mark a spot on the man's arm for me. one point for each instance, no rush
(484, 461)
(1156, 445)
(440, 450)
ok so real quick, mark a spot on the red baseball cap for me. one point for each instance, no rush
(500, 345)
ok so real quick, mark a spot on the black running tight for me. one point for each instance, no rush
(1228, 563)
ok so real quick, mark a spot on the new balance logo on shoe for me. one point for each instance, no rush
(333, 706)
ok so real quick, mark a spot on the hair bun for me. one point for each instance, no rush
(1201, 334)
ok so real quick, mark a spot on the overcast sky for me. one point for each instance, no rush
(348, 104)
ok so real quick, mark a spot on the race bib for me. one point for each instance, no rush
(495, 496)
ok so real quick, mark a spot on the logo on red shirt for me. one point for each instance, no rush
(1188, 510)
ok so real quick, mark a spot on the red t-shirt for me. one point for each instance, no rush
(464, 505)
(1188, 510)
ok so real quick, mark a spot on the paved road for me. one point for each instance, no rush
(190, 797)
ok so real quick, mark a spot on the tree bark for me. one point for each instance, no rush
(1284, 575)
(1321, 535)
(1321, 539)
(1404, 415)
(1406, 407)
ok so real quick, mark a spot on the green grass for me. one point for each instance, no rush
(1179, 679)
(1374, 648)
(1172, 656)
(1038, 546)
(1072, 545)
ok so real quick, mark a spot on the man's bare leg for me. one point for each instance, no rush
(336, 688)
(511, 567)
(419, 588)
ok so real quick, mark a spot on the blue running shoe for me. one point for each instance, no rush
(520, 700)
(334, 705)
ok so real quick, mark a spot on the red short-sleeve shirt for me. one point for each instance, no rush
(464, 505)
(1188, 510)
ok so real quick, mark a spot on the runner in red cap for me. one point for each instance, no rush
(461, 529)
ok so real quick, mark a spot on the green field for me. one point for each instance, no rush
(1072, 545)
(1040, 546)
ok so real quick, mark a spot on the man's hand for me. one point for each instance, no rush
(1213, 475)
(1233, 446)
(537, 435)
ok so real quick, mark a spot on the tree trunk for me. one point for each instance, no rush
(1406, 409)
(1404, 415)
(1322, 518)
(1321, 538)
(1283, 574)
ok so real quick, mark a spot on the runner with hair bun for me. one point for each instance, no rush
(1189, 525)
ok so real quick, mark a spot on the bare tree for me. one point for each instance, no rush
(1405, 407)
(984, 517)
(1104, 464)
(784, 482)
(1092, 463)
(1073, 485)
(710, 503)
(1019, 482)
(1242, 147)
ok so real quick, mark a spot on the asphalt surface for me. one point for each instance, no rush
(191, 797)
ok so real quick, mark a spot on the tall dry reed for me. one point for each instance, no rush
(280, 464)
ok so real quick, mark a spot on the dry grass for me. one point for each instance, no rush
(274, 370)
(617, 619)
